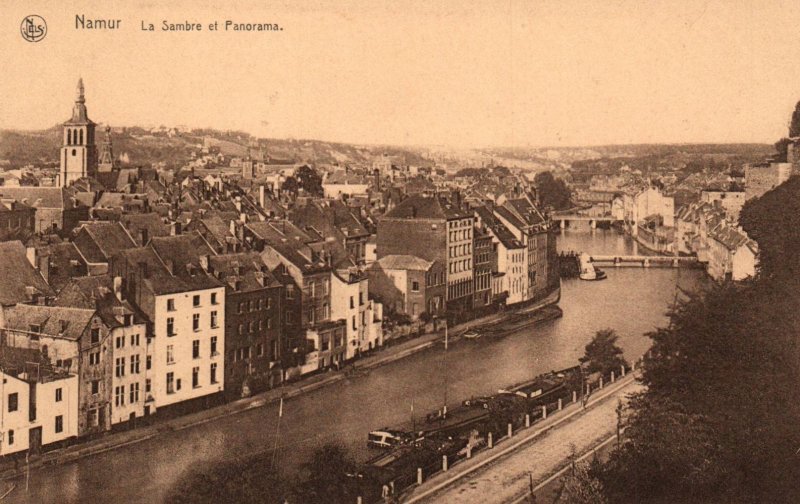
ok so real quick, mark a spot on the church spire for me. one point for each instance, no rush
(80, 98)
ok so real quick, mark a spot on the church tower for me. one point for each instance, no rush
(78, 150)
(106, 162)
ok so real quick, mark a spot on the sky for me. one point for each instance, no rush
(457, 73)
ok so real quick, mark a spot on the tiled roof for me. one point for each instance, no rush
(18, 278)
(40, 197)
(61, 321)
(404, 262)
(106, 239)
(499, 229)
(426, 207)
(247, 268)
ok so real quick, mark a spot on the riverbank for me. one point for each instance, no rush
(401, 350)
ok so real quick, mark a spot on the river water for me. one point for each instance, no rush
(631, 301)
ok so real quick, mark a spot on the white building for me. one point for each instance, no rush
(39, 408)
(646, 203)
(350, 301)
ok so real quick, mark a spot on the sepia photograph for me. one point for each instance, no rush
(384, 252)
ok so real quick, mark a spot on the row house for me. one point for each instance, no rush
(308, 263)
(409, 285)
(74, 341)
(484, 261)
(253, 308)
(350, 300)
(185, 310)
(334, 220)
(731, 253)
(510, 281)
(39, 403)
(57, 208)
(434, 229)
(97, 242)
(131, 348)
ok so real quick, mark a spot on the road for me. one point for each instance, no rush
(508, 478)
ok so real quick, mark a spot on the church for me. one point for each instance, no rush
(78, 150)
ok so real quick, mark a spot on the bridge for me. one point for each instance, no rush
(567, 216)
(644, 261)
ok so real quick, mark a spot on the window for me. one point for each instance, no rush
(241, 328)
(11, 436)
(59, 394)
(196, 322)
(259, 304)
(178, 384)
(59, 423)
(120, 367)
(268, 303)
(119, 396)
(214, 320)
(195, 377)
(354, 323)
(260, 349)
(13, 402)
(196, 300)
(149, 362)
(213, 298)
(290, 292)
(133, 395)
(269, 322)
(251, 326)
(94, 358)
(196, 349)
(251, 305)
(170, 354)
(148, 386)
(415, 286)
(170, 326)
(120, 342)
(352, 303)
(135, 364)
(95, 335)
(213, 346)
(134, 340)
(170, 305)
(213, 372)
(241, 307)
(95, 386)
(360, 298)
(170, 383)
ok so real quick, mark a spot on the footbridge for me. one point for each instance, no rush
(644, 261)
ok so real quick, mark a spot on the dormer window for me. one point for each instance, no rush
(35, 328)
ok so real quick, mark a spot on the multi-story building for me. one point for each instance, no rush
(57, 208)
(511, 276)
(484, 251)
(409, 285)
(131, 349)
(75, 341)
(434, 229)
(185, 308)
(253, 307)
(350, 300)
(39, 403)
(641, 204)
(307, 262)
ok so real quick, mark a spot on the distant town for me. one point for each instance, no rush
(151, 273)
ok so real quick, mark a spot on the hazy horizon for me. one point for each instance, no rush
(453, 75)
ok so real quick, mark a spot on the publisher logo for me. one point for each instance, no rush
(33, 28)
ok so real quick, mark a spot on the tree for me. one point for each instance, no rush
(290, 185)
(309, 180)
(328, 477)
(602, 353)
(580, 486)
(794, 124)
(551, 191)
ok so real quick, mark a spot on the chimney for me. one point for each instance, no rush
(204, 262)
(243, 217)
(238, 203)
(262, 196)
(143, 273)
(175, 228)
(44, 267)
(143, 237)
(118, 288)
(32, 254)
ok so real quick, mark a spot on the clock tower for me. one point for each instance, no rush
(78, 150)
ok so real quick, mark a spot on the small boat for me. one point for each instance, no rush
(472, 334)
(588, 271)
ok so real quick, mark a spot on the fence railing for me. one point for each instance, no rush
(495, 436)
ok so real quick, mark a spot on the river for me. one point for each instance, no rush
(631, 301)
